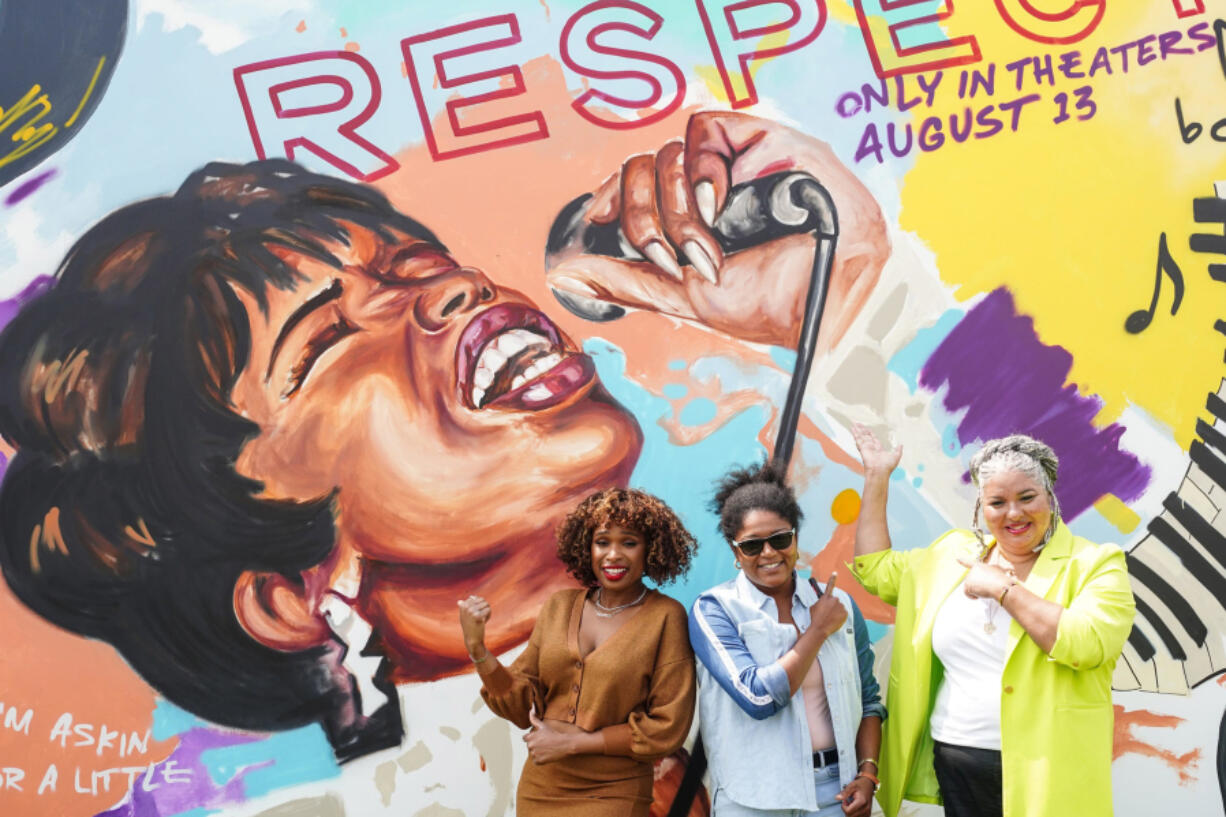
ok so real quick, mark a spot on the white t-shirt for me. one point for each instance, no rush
(969, 636)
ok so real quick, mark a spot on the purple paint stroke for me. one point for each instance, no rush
(159, 799)
(1008, 382)
(10, 308)
(27, 188)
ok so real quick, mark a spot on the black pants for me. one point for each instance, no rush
(969, 779)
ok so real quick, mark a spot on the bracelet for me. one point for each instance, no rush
(485, 657)
(1005, 592)
(871, 760)
(872, 779)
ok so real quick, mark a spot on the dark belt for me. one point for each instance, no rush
(824, 758)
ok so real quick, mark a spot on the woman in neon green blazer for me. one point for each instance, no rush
(1004, 645)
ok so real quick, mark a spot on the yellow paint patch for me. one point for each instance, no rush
(710, 76)
(846, 507)
(843, 12)
(1068, 215)
(1124, 518)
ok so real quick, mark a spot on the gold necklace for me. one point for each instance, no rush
(609, 612)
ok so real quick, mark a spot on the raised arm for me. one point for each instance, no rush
(509, 693)
(826, 616)
(872, 530)
(760, 690)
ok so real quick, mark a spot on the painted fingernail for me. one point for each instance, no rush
(565, 282)
(704, 197)
(699, 259)
(659, 255)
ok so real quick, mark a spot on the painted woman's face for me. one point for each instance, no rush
(455, 422)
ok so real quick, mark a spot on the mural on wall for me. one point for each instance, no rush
(319, 315)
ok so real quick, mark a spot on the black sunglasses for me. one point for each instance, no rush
(779, 542)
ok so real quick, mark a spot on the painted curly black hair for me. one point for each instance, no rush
(758, 487)
(670, 547)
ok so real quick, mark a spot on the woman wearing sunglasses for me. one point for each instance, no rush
(606, 684)
(785, 670)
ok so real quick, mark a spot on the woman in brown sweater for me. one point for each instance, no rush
(606, 682)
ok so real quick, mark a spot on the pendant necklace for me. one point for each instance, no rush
(989, 626)
(609, 612)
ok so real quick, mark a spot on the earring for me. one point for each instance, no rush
(983, 546)
(737, 564)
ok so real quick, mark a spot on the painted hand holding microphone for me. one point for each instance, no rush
(725, 228)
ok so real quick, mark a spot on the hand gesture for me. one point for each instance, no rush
(985, 581)
(876, 457)
(549, 740)
(829, 613)
(857, 797)
(474, 613)
(666, 202)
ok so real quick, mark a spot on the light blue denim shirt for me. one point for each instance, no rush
(748, 715)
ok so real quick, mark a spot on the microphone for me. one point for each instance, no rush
(755, 212)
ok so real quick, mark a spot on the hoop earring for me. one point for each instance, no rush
(975, 529)
(737, 564)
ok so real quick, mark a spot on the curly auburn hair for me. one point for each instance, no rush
(670, 547)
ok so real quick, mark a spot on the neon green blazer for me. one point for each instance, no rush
(1056, 717)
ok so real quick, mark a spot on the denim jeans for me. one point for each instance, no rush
(825, 779)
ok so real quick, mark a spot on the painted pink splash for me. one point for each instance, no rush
(1015, 383)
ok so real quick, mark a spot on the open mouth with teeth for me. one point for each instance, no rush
(614, 572)
(512, 356)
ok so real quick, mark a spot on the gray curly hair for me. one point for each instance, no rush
(1017, 452)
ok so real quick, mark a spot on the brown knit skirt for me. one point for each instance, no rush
(595, 785)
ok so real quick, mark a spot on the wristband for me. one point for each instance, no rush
(872, 779)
